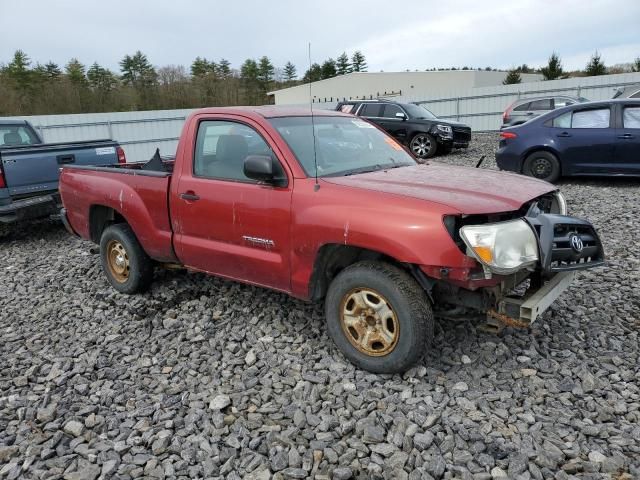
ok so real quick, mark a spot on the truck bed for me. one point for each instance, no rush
(137, 194)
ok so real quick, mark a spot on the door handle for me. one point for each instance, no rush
(189, 196)
(626, 136)
(69, 158)
(563, 134)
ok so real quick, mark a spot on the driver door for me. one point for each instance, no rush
(228, 224)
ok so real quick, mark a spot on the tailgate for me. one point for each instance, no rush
(34, 169)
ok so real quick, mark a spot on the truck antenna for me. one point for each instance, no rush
(313, 126)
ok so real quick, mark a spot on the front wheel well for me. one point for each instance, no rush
(100, 217)
(333, 258)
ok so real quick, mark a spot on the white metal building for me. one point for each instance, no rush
(360, 85)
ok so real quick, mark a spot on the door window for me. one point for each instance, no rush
(598, 118)
(541, 105)
(631, 117)
(522, 108)
(372, 110)
(222, 147)
(391, 110)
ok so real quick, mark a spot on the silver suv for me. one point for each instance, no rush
(525, 109)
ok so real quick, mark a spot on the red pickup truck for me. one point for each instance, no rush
(329, 206)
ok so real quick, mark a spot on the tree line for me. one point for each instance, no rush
(28, 89)
(553, 70)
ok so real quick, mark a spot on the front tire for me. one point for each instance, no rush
(542, 165)
(423, 146)
(126, 265)
(379, 317)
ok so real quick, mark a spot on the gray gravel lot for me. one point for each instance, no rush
(202, 377)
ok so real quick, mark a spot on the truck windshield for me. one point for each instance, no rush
(344, 145)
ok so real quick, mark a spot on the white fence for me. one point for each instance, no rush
(140, 133)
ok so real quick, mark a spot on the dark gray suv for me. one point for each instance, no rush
(525, 109)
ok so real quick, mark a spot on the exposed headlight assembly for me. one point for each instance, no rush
(502, 248)
(559, 205)
(444, 129)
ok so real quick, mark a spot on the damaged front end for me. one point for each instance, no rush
(526, 259)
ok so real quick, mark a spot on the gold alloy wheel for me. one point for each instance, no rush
(118, 261)
(369, 322)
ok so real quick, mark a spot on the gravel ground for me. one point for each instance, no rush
(202, 377)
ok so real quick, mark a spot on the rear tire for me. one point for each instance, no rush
(423, 146)
(542, 165)
(126, 265)
(379, 317)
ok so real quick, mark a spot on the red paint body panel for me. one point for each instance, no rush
(397, 212)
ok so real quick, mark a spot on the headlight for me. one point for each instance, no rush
(503, 247)
(559, 204)
(444, 128)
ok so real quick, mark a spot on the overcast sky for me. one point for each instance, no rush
(394, 35)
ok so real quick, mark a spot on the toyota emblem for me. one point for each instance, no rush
(576, 243)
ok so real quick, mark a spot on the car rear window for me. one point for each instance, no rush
(347, 108)
(522, 108)
(631, 117)
(541, 104)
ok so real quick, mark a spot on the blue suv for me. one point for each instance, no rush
(594, 138)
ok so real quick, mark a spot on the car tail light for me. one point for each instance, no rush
(507, 112)
(3, 184)
(122, 157)
(507, 135)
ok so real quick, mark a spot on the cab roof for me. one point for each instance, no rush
(273, 111)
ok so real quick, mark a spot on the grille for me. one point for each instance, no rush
(565, 257)
(461, 134)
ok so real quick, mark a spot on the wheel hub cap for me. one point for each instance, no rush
(421, 146)
(369, 322)
(118, 261)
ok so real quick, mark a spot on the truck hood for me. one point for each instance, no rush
(468, 190)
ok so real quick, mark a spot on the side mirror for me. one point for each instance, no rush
(401, 116)
(264, 169)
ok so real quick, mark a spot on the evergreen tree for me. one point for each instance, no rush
(513, 76)
(289, 72)
(76, 72)
(595, 65)
(524, 68)
(266, 71)
(342, 64)
(249, 78)
(313, 74)
(329, 69)
(52, 70)
(101, 79)
(553, 70)
(224, 68)
(358, 62)
(201, 67)
(18, 70)
(635, 67)
(137, 71)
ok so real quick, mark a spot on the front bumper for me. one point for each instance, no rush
(523, 311)
(30, 208)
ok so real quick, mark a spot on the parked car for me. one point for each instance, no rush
(345, 214)
(525, 109)
(29, 169)
(595, 138)
(629, 92)
(412, 125)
